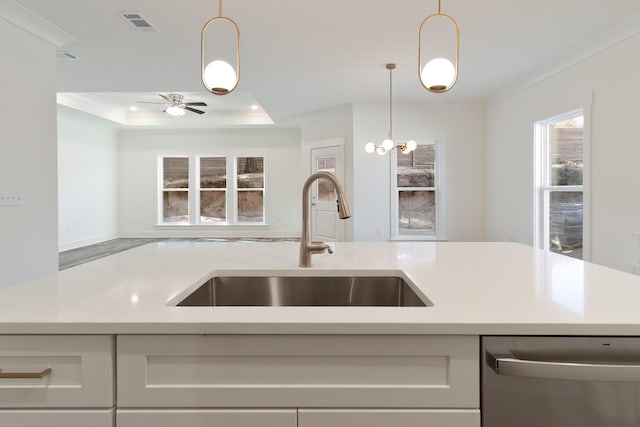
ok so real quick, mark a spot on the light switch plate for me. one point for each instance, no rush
(11, 199)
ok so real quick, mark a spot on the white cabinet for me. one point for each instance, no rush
(77, 371)
(394, 380)
(56, 380)
(297, 371)
(239, 381)
(56, 418)
(389, 417)
(206, 418)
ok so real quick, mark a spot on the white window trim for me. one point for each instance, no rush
(161, 190)
(194, 193)
(395, 224)
(541, 179)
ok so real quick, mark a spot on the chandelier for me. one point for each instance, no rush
(388, 144)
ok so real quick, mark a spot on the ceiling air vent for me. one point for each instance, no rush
(138, 22)
(65, 55)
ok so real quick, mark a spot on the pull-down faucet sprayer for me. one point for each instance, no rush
(307, 247)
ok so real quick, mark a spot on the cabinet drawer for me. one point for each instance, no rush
(389, 417)
(206, 418)
(81, 371)
(56, 418)
(298, 371)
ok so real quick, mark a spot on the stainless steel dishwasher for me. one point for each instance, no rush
(560, 381)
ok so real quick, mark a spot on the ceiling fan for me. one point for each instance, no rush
(175, 106)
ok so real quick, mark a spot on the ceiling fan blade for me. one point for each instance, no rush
(165, 97)
(194, 110)
(196, 104)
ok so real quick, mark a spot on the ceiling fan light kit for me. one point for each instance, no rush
(217, 75)
(175, 111)
(439, 74)
(388, 144)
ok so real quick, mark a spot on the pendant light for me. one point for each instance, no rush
(217, 75)
(439, 74)
(388, 143)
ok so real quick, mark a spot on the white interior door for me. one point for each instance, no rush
(325, 224)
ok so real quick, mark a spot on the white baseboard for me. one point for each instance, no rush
(190, 233)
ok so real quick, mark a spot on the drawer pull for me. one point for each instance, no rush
(41, 374)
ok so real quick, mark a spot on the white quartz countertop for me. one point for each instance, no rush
(476, 288)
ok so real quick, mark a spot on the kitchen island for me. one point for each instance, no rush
(105, 343)
(476, 288)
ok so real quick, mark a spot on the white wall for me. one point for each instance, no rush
(460, 133)
(611, 77)
(138, 159)
(326, 125)
(87, 179)
(28, 233)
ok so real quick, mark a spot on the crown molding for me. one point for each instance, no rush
(34, 24)
(95, 109)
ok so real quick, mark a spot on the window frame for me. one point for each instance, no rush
(235, 190)
(162, 190)
(198, 189)
(437, 189)
(542, 181)
(231, 196)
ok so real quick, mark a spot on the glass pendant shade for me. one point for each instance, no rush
(438, 75)
(219, 77)
(387, 144)
(411, 145)
(370, 147)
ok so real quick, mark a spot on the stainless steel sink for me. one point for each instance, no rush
(305, 291)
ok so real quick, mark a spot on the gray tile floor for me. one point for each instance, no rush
(73, 257)
(77, 256)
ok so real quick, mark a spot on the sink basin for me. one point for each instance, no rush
(305, 291)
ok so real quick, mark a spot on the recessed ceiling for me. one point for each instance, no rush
(300, 56)
(147, 109)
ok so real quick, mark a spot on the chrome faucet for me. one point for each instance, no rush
(307, 247)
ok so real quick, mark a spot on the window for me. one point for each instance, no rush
(560, 184)
(213, 190)
(228, 190)
(175, 190)
(250, 189)
(415, 194)
(325, 189)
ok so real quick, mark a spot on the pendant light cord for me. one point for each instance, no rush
(439, 6)
(220, 7)
(390, 102)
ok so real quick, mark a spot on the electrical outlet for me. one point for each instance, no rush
(11, 199)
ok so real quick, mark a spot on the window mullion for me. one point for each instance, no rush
(233, 183)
